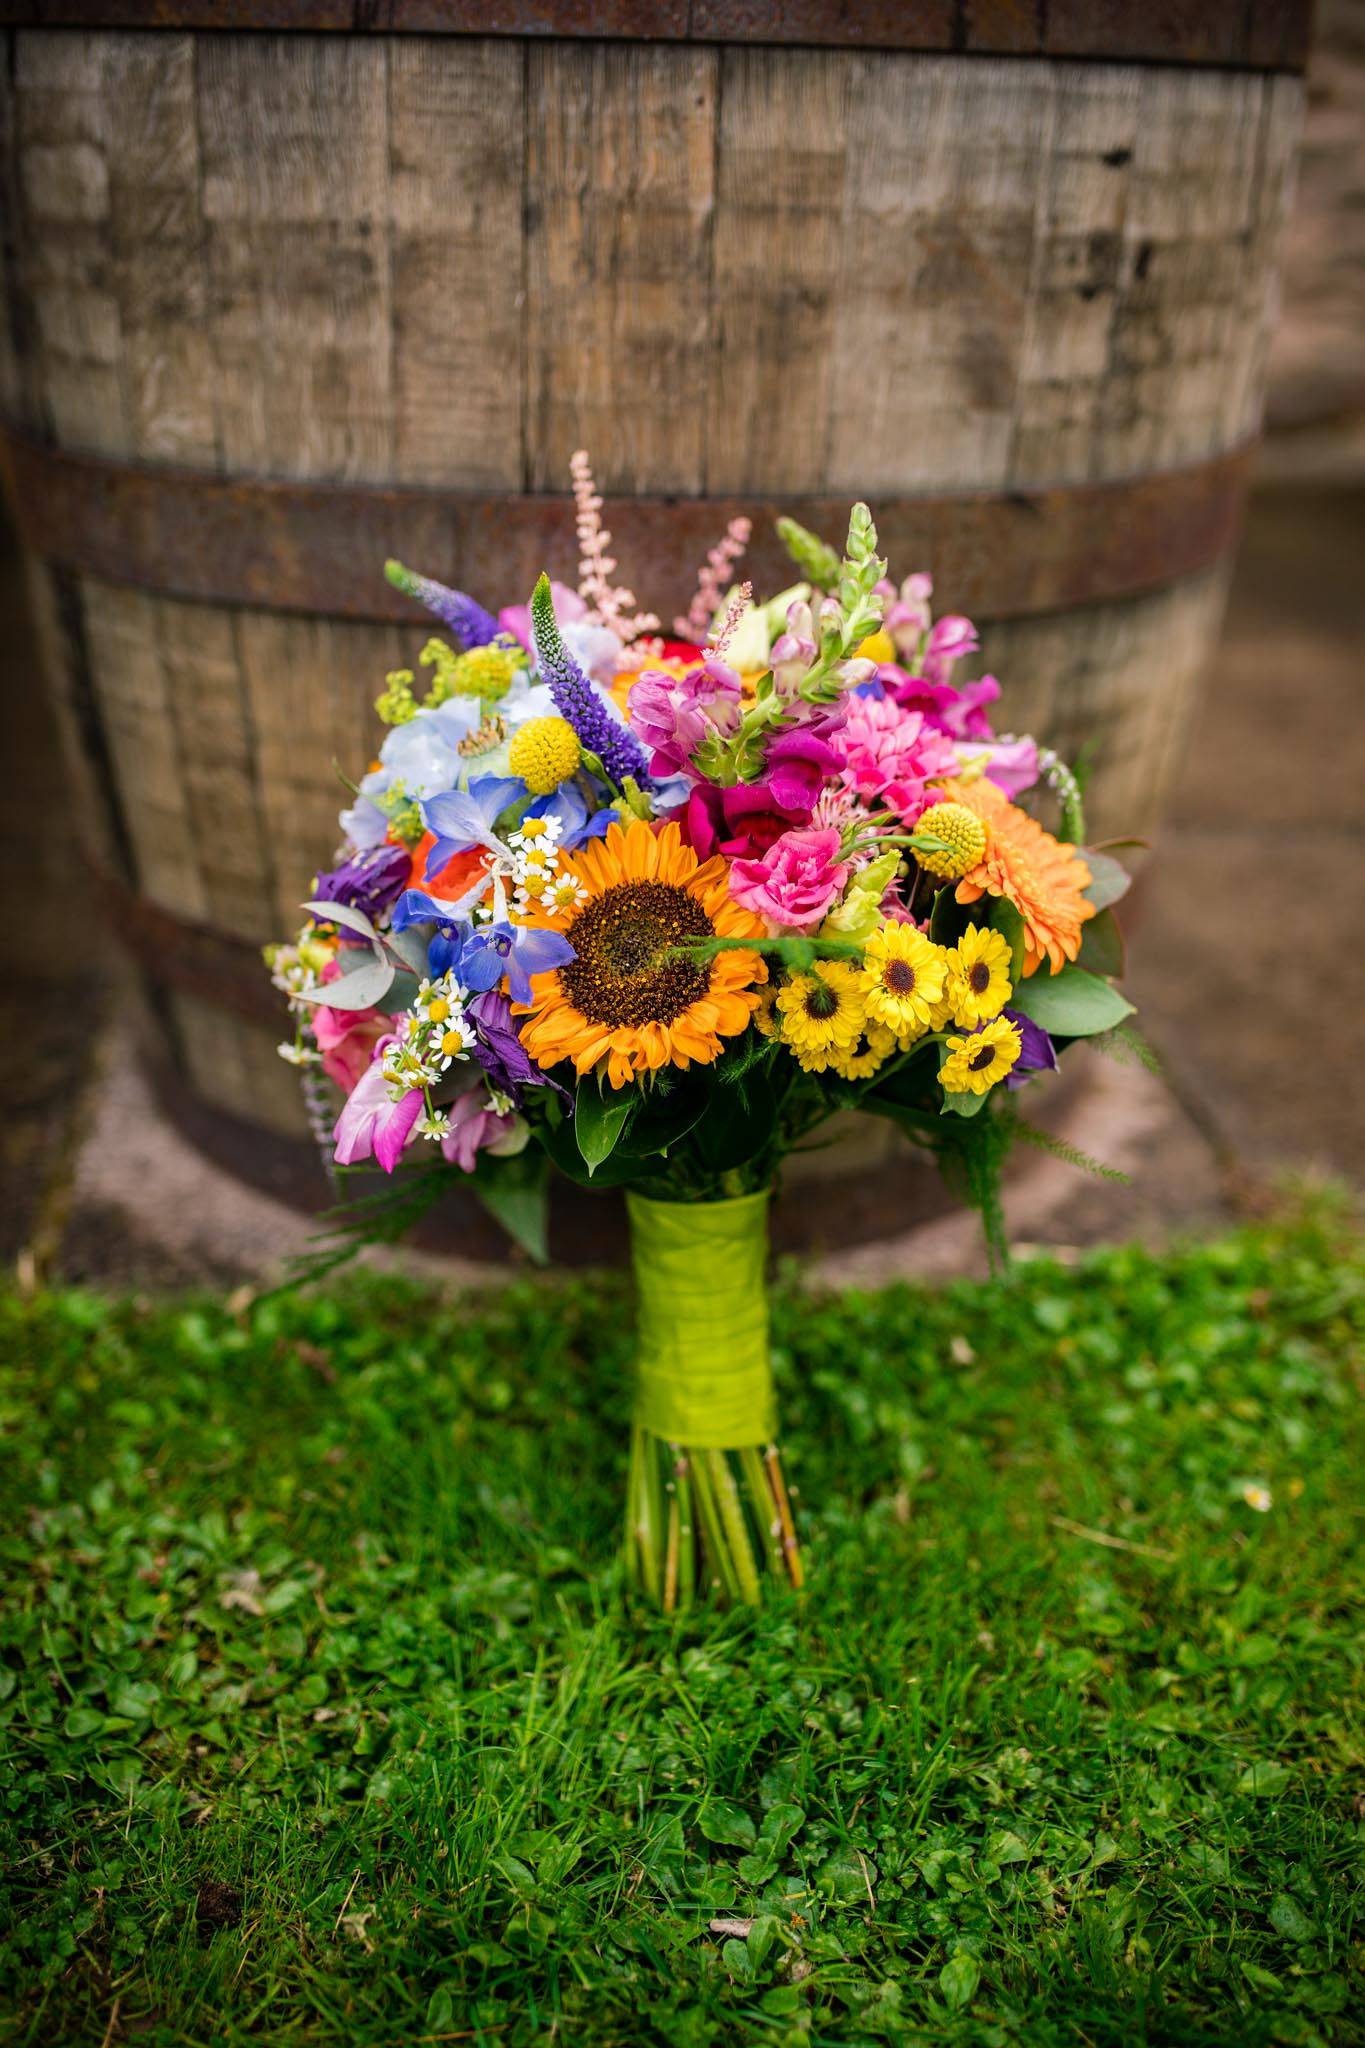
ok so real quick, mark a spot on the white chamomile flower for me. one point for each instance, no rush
(435, 1124)
(565, 892)
(536, 832)
(298, 1055)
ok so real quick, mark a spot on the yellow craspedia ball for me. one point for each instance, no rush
(878, 646)
(544, 752)
(963, 834)
(485, 672)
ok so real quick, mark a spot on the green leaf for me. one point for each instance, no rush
(1072, 1004)
(600, 1116)
(964, 1104)
(815, 558)
(948, 919)
(517, 1198)
(1102, 948)
(1288, 1918)
(1109, 879)
(1264, 1780)
(762, 1934)
(1006, 920)
(958, 1979)
(82, 1721)
(720, 1820)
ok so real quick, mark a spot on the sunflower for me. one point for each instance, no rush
(628, 1004)
(977, 1062)
(978, 977)
(902, 978)
(869, 1051)
(1040, 876)
(820, 1011)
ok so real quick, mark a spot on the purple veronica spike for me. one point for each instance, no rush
(616, 748)
(471, 625)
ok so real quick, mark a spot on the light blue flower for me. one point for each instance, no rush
(461, 818)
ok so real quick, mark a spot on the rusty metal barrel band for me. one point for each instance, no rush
(319, 548)
(1263, 35)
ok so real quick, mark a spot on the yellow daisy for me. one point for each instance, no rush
(821, 1010)
(976, 1063)
(978, 976)
(869, 1051)
(903, 977)
(628, 1004)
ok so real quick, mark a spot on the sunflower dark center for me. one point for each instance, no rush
(622, 976)
(899, 977)
(979, 978)
(983, 1058)
(822, 1002)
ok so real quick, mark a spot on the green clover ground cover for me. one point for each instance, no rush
(322, 1719)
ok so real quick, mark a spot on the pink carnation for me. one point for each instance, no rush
(890, 756)
(795, 881)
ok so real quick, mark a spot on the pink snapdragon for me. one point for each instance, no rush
(794, 883)
(907, 616)
(371, 1122)
(673, 715)
(890, 756)
(949, 639)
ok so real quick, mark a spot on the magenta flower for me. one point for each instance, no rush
(742, 821)
(889, 756)
(371, 1122)
(794, 883)
(674, 715)
(959, 710)
(949, 639)
(799, 761)
(475, 1126)
(1012, 765)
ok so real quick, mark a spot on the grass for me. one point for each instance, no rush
(323, 1719)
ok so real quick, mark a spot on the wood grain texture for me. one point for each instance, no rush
(723, 269)
(620, 158)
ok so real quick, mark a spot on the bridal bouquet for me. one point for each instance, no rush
(646, 909)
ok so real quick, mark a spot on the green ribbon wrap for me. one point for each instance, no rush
(704, 1376)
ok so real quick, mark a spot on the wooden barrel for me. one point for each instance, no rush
(283, 301)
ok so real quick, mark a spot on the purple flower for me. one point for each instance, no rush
(570, 807)
(516, 950)
(471, 625)
(615, 746)
(371, 1122)
(500, 1052)
(475, 1126)
(796, 766)
(369, 880)
(1037, 1055)
(461, 818)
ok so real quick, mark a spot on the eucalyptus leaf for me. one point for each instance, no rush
(363, 989)
(600, 1117)
(1109, 879)
(344, 914)
(410, 947)
(1072, 1004)
(519, 1203)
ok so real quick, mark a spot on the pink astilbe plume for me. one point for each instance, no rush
(734, 612)
(713, 580)
(609, 604)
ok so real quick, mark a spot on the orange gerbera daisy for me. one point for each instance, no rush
(1037, 874)
(627, 1002)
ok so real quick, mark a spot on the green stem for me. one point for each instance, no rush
(716, 1552)
(735, 1527)
(764, 1508)
(687, 1535)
